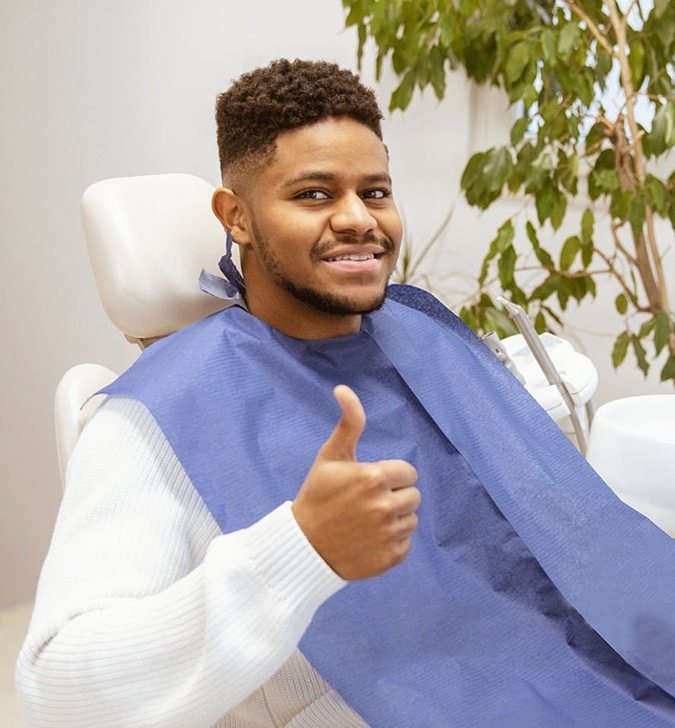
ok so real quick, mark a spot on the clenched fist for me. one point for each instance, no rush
(358, 516)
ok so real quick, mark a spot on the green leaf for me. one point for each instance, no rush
(606, 159)
(538, 170)
(668, 371)
(662, 329)
(559, 210)
(619, 206)
(516, 62)
(548, 46)
(660, 7)
(473, 170)
(507, 264)
(620, 349)
(437, 71)
(567, 171)
(662, 135)
(532, 234)
(542, 255)
(569, 252)
(584, 287)
(518, 130)
(621, 303)
(595, 136)
(402, 95)
(567, 39)
(546, 289)
(665, 30)
(545, 200)
(563, 292)
(498, 167)
(587, 223)
(356, 13)
(607, 180)
(484, 176)
(657, 195)
(640, 355)
(468, 317)
(647, 327)
(587, 253)
(501, 242)
(505, 236)
(540, 323)
(636, 61)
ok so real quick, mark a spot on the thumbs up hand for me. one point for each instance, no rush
(358, 516)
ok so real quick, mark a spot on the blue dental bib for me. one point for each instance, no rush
(532, 597)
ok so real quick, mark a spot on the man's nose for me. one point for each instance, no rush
(352, 216)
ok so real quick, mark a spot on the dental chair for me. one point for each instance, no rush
(632, 446)
(148, 238)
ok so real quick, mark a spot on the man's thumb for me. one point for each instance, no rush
(341, 445)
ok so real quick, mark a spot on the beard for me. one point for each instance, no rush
(324, 301)
(331, 303)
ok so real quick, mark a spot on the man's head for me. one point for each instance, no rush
(307, 196)
(280, 97)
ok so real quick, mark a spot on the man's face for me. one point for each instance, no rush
(322, 232)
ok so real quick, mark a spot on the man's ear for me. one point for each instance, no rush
(230, 209)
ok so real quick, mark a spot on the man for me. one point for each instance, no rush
(226, 554)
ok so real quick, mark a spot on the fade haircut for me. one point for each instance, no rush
(282, 96)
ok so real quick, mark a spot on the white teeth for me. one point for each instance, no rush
(365, 256)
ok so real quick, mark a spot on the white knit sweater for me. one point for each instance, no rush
(146, 615)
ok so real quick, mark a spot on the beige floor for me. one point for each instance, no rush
(13, 626)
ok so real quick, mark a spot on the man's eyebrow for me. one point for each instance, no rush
(317, 176)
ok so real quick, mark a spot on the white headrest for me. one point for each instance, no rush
(148, 238)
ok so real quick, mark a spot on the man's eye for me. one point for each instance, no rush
(377, 194)
(312, 195)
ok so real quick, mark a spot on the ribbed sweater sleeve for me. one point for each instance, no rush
(146, 615)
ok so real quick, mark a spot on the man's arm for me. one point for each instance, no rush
(145, 615)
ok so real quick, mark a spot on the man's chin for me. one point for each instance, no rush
(342, 305)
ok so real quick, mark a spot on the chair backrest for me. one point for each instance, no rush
(148, 238)
(73, 408)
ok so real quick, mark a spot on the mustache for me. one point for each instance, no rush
(325, 247)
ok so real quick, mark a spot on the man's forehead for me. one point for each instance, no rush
(330, 148)
(317, 153)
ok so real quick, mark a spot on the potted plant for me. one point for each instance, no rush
(557, 60)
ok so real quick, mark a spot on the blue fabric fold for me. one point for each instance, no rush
(231, 286)
(532, 596)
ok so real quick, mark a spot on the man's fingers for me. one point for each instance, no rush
(341, 445)
(396, 473)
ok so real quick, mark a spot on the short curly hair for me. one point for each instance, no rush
(282, 96)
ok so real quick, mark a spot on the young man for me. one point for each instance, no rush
(226, 554)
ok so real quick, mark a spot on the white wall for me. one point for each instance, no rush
(92, 89)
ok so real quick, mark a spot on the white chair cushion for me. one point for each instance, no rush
(148, 238)
(73, 408)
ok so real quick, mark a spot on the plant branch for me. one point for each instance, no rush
(592, 27)
(646, 249)
(622, 283)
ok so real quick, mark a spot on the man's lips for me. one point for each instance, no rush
(356, 263)
(352, 249)
(356, 257)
